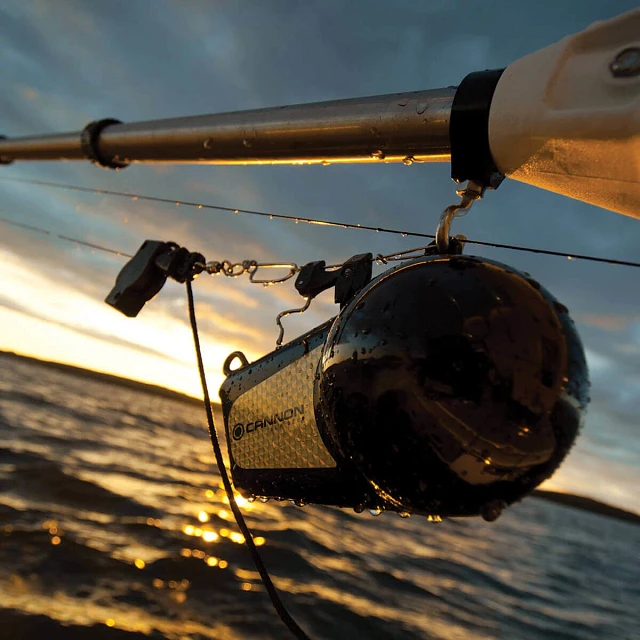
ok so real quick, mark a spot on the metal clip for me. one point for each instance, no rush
(292, 267)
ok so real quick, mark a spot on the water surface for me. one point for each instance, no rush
(103, 490)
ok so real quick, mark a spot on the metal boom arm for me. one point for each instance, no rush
(383, 128)
(564, 118)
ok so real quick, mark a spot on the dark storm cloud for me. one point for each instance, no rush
(65, 63)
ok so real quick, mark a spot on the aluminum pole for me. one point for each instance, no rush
(391, 128)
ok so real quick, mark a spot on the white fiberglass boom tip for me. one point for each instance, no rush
(567, 118)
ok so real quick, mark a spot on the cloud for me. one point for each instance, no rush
(64, 67)
(606, 322)
(14, 305)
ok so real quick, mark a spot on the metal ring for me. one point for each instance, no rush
(226, 367)
(232, 269)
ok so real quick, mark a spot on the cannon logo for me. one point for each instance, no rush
(240, 429)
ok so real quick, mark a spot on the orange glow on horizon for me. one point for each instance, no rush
(53, 321)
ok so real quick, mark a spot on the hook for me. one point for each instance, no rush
(473, 191)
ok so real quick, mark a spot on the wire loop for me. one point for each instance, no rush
(289, 312)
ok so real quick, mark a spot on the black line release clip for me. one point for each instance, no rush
(353, 275)
(145, 274)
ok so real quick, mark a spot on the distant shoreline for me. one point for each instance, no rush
(587, 504)
(126, 383)
(565, 499)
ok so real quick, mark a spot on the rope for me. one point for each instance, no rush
(285, 616)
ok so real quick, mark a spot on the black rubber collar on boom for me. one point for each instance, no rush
(90, 141)
(471, 157)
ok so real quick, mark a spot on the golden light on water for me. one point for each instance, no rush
(186, 553)
(225, 515)
(203, 516)
(140, 563)
(223, 564)
(246, 586)
(211, 561)
(209, 493)
(210, 536)
(259, 541)
(109, 622)
(189, 530)
(55, 540)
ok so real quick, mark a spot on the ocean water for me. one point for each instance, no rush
(103, 491)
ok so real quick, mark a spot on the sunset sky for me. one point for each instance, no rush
(64, 64)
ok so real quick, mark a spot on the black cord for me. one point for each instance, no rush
(285, 616)
(314, 221)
